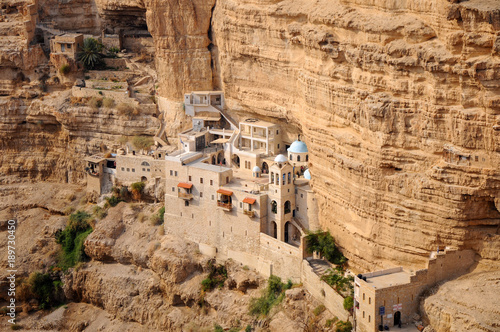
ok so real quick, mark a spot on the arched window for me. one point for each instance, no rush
(274, 207)
(277, 178)
(298, 158)
(284, 178)
(289, 177)
(307, 157)
(272, 177)
(290, 156)
(288, 207)
(145, 163)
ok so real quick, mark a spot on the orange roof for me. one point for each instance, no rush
(249, 200)
(225, 192)
(185, 185)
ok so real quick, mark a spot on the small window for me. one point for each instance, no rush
(189, 177)
(192, 215)
(144, 170)
(149, 169)
(181, 214)
(298, 158)
(363, 314)
(227, 179)
(123, 168)
(201, 180)
(211, 182)
(128, 169)
(173, 188)
(68, 46)
(133, 169)
(364, 298)
(212, 197)
(297, 208)
(175, 173)
(307, 157)
(277, 132)
(278, 146)
(186, 203)
(201, 194)
(301, 195)
(241, 205)
(369, 318)
(369, 300)
(171, 172)
(296, 191)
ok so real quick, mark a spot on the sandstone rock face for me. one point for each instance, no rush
(380, 89)
(470, 303)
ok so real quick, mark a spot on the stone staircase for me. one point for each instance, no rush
(319, 266)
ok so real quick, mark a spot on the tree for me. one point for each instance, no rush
(91, 54)
(137, 189)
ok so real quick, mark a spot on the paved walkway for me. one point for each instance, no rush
(319, 266)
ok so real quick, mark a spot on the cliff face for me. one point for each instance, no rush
(381, 91)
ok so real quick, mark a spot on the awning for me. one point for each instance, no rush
(185, 185)
(224, 192)
(249, 200)
(220, 140)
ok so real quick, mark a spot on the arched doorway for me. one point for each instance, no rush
(144, 179)
(265, 168)
(397, 318)
(213, 160)
(275, 230)
(236, 160)
(287, 225)
(220, 158)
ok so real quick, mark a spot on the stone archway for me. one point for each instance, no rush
(265, 168)
(144, 179)
(397, 318)
(236, 160)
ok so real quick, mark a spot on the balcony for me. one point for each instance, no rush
(251, 214)
(225, 206)
(185, 196)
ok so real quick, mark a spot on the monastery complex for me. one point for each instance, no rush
(241, 191)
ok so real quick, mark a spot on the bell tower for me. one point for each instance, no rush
(281, 197)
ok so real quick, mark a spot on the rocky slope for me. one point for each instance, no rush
(138, 278)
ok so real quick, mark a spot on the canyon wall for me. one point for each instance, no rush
(399, 104)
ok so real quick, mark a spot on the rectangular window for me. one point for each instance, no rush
(175, 173)
(212, 197)
(68, 46)
(144, 170)
(189, 177)
(128, 169)
(149, 170)
(123, 168)
(301, 195)
(241, 205)
(173, 188)
(201, 194)
(201, 180)
(297, 208)
(211, 182)
(171, 172)
(277, 132)
(133, 169)
(278, 146)
(227, 179)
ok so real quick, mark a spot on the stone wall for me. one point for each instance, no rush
(323, 292)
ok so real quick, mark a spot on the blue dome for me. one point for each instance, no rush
(298, 147)
(307, 174)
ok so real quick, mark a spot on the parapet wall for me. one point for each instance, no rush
(285, 259)
(323, 292)
(448, 265)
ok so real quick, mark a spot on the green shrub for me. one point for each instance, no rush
(65, 69)
(142, 142)
(348, 303)
(271, 296)
(108, 102)
(319, 310)
(330, 322)
(217, 275)
(45, 288)
(71, 239)
(218, 328)
(124, 193)
(248, 328)
(112, 201)
(99, 212)
(343, 326)
(336, 279)
(157, 218)
(137, 189)
(324, 243)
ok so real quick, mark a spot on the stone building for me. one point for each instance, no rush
(101, 173)
(391, 297)
(68, 44)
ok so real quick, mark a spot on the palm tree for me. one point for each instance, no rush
(91, 55)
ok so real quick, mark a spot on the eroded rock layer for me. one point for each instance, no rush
(399, 105)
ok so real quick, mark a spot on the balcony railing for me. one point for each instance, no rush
(185, 196)
(251, 214)
(225, 206)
